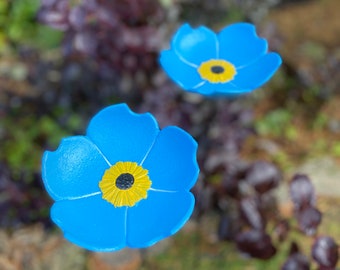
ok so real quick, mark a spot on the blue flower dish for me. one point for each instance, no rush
(126, 183)
(233, 62)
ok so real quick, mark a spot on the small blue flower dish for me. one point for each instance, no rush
(235, 61)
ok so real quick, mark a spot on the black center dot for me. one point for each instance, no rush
(217, 69)
(125, 181)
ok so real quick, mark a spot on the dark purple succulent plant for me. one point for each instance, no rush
(123, 35)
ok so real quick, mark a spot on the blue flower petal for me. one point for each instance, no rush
(258, 73)
(91, 223)
(183, 74)
(121, 134)
(74, 169)
(215, 89)
(172, 161)
(195, 45)
(160, 215)
(240, 45)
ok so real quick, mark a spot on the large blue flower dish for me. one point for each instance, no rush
(126, 183)
(232, 62)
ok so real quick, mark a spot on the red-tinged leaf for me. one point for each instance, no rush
(256, 244)
(302, 191)
(230, 186)
(227, 227)
(251, 214)
(296, 261)
(263, 176)
(325, 251)
(309, 219)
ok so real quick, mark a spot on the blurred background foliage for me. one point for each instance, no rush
(61, 61)
(18, 25)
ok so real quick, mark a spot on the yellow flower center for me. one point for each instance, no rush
(125, 184)
(217, 71)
